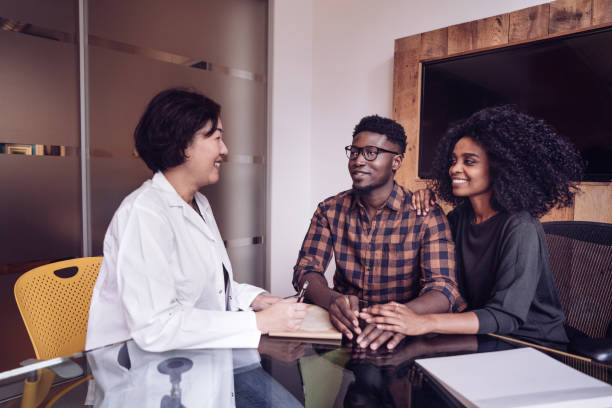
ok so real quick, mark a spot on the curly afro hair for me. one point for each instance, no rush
(384, 126)
(532, 167)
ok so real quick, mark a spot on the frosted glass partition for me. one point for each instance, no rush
(231, 33)
(58, 15)
(138, 48)
(39, 82)
(41, 208)
(40, 215)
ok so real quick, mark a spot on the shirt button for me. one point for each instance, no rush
(220, 291)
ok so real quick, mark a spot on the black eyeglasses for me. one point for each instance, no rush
(369, 152)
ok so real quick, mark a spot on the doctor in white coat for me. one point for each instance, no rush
(166, 280)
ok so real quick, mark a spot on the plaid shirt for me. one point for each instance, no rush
(395, 257)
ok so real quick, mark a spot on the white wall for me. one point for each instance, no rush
(289, 131)
(331, 63)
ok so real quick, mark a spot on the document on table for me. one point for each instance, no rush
(522, 377)
(316, 325)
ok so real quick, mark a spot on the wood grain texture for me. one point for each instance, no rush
(491, 31)
(529, 23)
(602, 11)
(460, 37)
(434, 43)
(594, 203)
(559, 214)
(406, 75)
(406, 98)
(566, 15)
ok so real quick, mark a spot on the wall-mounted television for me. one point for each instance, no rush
(566, 80)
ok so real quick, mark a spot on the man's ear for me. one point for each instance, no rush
(397, 162)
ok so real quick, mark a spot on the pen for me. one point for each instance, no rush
(302, 292)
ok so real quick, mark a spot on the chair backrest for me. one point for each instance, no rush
(581, 261)
(54, 303)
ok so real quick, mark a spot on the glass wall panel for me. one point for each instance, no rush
(215, 47)
(58, 15)
(41, 208)
(40, 215)
(231, 33)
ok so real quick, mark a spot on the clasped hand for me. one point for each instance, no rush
(344, 315)
(395, 317)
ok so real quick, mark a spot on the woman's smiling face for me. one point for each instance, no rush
(469, 170)
(205, 155)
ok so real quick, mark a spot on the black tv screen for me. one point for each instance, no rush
(567, 81)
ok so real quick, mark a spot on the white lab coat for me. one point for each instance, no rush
(161, 280)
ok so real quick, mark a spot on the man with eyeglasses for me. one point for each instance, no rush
(383, 251)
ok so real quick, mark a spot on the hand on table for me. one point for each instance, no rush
(422, 200)
(396, 317)
(284, 315)
(374, 337)
(263, 301)
(343, 312)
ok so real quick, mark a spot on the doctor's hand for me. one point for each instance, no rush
(263, 301)
(284, 315)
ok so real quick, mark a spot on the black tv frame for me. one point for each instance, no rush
(425, 149)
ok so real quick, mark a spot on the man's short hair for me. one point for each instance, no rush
(384, 126)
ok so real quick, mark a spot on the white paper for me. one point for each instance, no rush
(522, 377)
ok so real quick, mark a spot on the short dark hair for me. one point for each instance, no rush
(169, 123)
(531, 166)
(384, 126)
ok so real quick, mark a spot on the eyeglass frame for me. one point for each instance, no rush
(361, 150)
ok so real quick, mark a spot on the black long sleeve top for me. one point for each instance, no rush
(505, 277)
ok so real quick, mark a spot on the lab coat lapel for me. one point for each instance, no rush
(175, 200)
(194, 218)
(212, 224)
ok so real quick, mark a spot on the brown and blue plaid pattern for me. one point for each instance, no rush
(396, 257)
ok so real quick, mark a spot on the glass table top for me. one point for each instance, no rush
(281, 372)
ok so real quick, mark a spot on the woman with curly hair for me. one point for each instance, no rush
(500, 169)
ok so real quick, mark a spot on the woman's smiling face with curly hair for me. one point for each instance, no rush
(469, 169)
(530, 166)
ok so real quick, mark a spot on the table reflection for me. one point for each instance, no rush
(286, 373)
(126, 375)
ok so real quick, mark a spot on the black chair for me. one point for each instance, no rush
(581, 261)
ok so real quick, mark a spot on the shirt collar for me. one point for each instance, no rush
(394, 201)
(161, 182)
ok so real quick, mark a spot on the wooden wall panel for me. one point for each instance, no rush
(434, 44)
(567, 15)
(491, 31)
(595, 202)
(406, 103)
(460, 38)
(559, 214)
(602, 12)
(529, 23)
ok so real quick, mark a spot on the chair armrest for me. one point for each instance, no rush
(597, 349)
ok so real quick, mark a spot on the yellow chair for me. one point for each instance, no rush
(54, 303)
